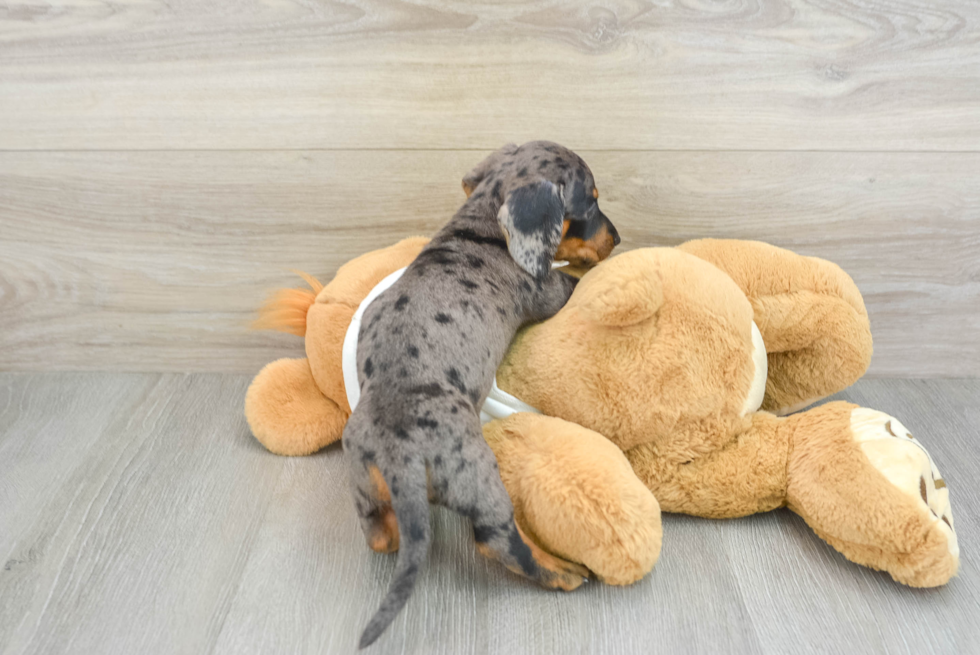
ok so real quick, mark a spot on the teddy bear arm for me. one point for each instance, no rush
(575, 494)
(809, 311)
(817, 344)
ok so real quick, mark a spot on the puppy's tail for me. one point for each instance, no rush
(286, 309)
(411, 508)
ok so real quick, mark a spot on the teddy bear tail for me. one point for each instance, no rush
(286, 309)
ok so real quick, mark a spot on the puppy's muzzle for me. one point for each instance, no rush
(586, 243)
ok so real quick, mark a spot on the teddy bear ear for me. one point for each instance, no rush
(620, 292)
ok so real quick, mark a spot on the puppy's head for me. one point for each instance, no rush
(549, 206)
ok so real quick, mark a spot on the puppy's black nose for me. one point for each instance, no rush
(613, 232)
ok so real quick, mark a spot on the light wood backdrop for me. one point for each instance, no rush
(162, 164)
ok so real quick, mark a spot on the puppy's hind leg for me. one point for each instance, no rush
(467, 480)
(372, 497)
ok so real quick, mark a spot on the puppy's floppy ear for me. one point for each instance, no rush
(532, 218)
(472, 179)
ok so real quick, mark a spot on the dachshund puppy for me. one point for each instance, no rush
(429, 347)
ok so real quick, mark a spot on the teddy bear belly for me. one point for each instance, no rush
(757, 390)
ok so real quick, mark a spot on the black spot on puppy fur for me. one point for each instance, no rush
(368, 367)
(519, 551)
(413, 352)
(401, 302)
(429, 390)
(483, 533)
(453, 377)
(443, 318)
(470, 235)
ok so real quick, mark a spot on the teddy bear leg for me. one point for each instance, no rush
(574, 492)
(287, 412)
(871, 490)
(743, 476)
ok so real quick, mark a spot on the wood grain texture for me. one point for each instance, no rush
(608, 74)
(163, 527)
(156, 261)
(140, 533)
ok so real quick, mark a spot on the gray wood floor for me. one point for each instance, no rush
(137, 514)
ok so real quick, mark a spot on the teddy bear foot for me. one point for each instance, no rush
(891, 448)
(871, 490)
(288, 413)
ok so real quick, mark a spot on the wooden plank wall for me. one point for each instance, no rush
(162, 164)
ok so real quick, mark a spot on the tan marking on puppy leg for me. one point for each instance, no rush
(385, 539)
(384, 536)
(379, 486)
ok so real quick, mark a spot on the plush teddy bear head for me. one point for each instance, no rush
(651, 343)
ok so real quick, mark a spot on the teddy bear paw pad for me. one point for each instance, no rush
(905, 462)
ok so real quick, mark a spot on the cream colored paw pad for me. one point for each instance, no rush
(905, 462)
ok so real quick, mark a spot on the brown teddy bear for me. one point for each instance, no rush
(663, 383)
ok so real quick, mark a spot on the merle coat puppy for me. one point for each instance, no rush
(428, 350)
